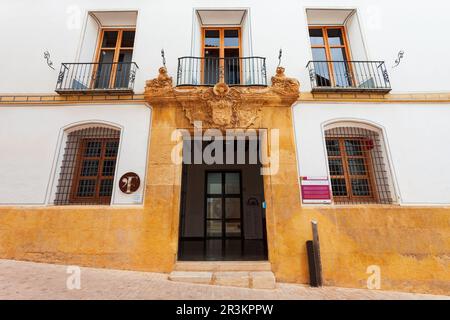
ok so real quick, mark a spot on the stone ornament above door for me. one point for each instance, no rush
(222, 106)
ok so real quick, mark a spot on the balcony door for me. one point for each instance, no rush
(331, 56)
(114, 55)
(221, 50)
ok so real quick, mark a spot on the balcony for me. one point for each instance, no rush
(236, 71)
(96, 78)
(349, 76)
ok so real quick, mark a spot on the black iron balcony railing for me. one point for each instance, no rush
(349, 76)
(238, 71)
(116, 77)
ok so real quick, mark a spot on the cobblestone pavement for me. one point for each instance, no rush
(27, 280)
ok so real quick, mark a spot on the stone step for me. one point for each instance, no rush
(191, 277)
(243, 279)
(223, 266)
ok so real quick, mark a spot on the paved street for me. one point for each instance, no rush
(27, 280)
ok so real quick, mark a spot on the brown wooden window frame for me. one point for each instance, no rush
(222, 46)
(344, 157)
(97, 198)
(326, 45)
(117, 49)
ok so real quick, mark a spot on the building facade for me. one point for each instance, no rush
(119, 105)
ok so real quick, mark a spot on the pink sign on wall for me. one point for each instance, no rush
(315, 190)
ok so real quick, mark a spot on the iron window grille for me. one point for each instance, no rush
(357, 167)
(88, 167)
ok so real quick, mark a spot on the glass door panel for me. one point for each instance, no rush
(214, 208)
(233, 229)
(104, 69)
(212, 38)
(214, 229)
(335, 37)
(127, 39)
(233, 208)
(211, 66)
(232, 66)
(340, 67)
(109, 39)
(214, 183)
(123, 69)
(321, 67)
(231, 38)
(223, 205)
(316, 37)
(232, 183)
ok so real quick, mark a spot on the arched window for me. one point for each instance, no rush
(357, 165)
(88, 166)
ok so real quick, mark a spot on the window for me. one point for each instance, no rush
(221, 49)
(88, 167)
(330, 52)
(114, 56)
(350, 168)
(95, 170)
(356, 165)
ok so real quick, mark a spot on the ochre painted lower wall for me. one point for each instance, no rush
(105, 237)
(410, 245)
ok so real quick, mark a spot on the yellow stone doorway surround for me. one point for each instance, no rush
(411, 245)
(224, 108)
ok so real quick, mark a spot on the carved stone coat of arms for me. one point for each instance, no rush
(221, 107)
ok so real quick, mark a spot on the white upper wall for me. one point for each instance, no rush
(28, 28)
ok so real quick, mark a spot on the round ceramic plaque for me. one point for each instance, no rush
(129, 183)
